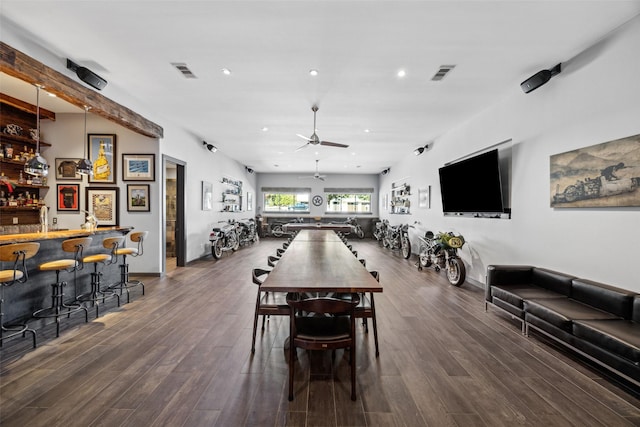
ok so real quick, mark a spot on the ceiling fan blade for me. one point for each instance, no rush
(303, 137)
(300, 148)
(333, 144)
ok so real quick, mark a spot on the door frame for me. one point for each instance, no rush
(181, 243)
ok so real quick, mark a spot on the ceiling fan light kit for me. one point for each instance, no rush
(314, 139)
(314, 176)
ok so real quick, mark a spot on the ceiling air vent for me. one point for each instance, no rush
(182, 67)
(442, 72)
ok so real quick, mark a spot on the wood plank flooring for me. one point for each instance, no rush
(180, 356)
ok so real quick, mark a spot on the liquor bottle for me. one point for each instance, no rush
(101, 168)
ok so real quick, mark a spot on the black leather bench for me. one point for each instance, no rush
(599, 321)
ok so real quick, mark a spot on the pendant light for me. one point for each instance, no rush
(85, 167)
(37, 165)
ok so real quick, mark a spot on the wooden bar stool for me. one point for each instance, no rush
(58, 306)
(125, 283)
(96, 294)
(16, 253)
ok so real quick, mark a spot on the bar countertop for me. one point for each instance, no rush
(57, 234)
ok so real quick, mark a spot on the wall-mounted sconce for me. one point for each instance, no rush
(210, 147)
(420, 150)
(386, 171)
(87, 76)
(540, 78)
(248, 169)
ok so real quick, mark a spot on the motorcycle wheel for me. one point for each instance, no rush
(425, 259)
(360, 232)
(256, 238)
(406, 248)
(216, 249)
(456, 272)
(277, 230)
(385, 243)
(571, 193)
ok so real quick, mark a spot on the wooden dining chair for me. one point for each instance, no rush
(267, 303)
(322, 323)
(366, 309)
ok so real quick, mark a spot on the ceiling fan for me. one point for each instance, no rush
(315, 175)
(314, 139)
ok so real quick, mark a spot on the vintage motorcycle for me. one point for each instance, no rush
(441, 252)
(355, 227)
(380, 230)
(397, 237)
(247, 231)
(277, 228)
(224, 238)
(593, 188)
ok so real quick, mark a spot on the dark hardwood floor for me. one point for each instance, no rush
(180, 355)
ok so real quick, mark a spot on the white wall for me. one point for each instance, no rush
(593, 100)
(203, 165)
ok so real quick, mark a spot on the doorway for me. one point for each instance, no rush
(174, 233)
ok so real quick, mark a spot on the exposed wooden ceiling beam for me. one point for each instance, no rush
(26, 107)
(19, 65)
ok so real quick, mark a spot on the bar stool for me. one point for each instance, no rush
(17, 253)
(96, 294)
(125, 283)
(58, 307)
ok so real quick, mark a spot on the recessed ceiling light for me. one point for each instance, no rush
(367, 130)
(264, 129)
(313, 72)
(402, 73)
(226, 71)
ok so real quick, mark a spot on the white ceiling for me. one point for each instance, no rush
(270, 46)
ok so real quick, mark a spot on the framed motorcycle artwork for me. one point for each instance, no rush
(601, 175)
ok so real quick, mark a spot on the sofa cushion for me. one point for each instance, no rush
(560, 312)
(621, 337)
(515, 294)
(552, 280)
(604, 297)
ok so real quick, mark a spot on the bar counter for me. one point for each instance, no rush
(22, 299)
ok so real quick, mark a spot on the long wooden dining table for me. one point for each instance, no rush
(319, 261)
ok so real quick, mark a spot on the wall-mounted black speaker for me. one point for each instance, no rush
(386, 171)
(539, 78)
(87, 76)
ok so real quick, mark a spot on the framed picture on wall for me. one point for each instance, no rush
(67, 170)
(138, 167)
(207, 196)
(138, 198)
(102, 202)
(102, 153)
(68, 197)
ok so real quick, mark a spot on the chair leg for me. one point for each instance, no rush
(375, 323)
(255, 327)
(352, 356)
(291, 369)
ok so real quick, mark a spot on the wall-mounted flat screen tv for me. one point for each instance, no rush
(472, 185)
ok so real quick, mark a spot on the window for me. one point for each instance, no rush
(349, 203)
(284, 200)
